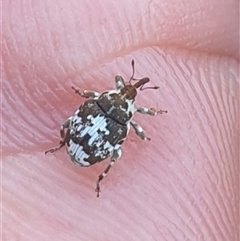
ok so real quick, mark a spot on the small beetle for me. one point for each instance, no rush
(100, 125)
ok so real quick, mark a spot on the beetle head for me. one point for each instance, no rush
(130, 90)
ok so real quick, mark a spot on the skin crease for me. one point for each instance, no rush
(183, 184)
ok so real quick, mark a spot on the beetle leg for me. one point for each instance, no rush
(150, 111)
(139, 130)
(87, 93)
(62, 134)
(116, 155)
(119, 82)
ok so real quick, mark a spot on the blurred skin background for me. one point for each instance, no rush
(183, 184)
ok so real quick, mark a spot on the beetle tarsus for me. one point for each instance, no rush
(61, 144)
(98, 190)
(162, 111)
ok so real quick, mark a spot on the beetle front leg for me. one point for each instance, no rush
(62, 134)
(87, 93)
(150, 111)
(119, 82)
(139, 131)
(116, 155)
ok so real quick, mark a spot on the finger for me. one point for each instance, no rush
(171, 169)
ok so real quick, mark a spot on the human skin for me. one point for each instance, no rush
(181, 185)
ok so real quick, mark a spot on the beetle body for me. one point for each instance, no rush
(92, 134)
(100, 125)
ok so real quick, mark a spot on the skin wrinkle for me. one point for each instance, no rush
(203, 129)
(182, 185)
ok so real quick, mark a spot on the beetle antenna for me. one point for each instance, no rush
(143, 80)
(133, 71)
(149, 88)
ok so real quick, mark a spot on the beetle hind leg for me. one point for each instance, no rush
(116, 155)
(63, 139)
(61, 144)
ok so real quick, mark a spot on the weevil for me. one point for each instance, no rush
(101, 124)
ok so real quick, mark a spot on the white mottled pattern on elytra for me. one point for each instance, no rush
(72, 147)
(75, 148)
(98, 122)
(90, 129)
(108, 146)
(76, 118)
(93, 138)
(106, 131)
(81, 155)
(99, 153)
(79, 127)
(117, 146)
(81, 162)
(99, 141)
(84, 131)
(76, 151)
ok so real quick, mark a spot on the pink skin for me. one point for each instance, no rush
(182, 185)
